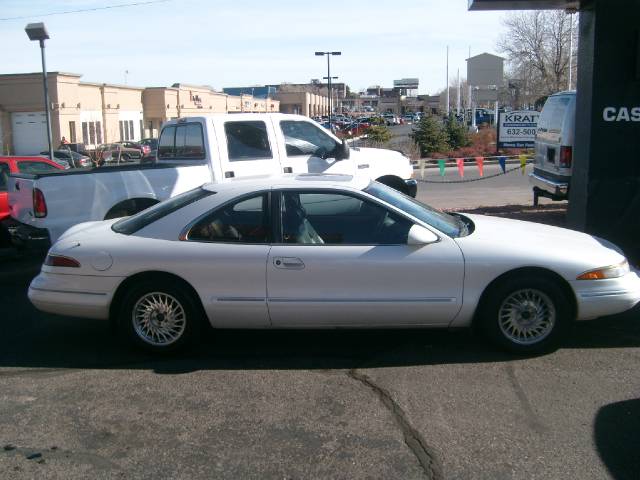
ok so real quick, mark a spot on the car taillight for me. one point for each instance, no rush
(39, 204)
(61, 261)
(566, 155)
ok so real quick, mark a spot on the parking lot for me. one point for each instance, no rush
(77, 403)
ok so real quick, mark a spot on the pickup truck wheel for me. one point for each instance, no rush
(160, 317)
(526, 314)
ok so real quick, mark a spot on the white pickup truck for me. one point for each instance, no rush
(192, 151)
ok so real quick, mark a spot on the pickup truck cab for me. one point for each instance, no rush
(193, 151)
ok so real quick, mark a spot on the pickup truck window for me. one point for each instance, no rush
(4, 176)
(132, 224)
(35, 167)
(247, 140)
(304, 138)
(182, 141)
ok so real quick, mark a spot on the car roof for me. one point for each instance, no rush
(302, 180)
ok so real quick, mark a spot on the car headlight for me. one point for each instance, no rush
(613, 271)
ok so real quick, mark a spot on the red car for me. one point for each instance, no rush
(20, 165)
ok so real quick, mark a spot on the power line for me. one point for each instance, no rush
(134, 4)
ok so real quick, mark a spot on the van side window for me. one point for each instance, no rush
(247, 140)
(182, 141)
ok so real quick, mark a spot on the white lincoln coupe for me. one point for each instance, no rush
(329, 251)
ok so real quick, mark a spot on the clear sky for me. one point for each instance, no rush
(226, 43)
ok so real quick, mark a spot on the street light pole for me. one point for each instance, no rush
(328, 54)
(37, 31)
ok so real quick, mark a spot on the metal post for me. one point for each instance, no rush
(329, 86)
(570, 50)
(46, 100)
(447, 80)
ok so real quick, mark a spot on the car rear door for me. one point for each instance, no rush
(247, 146)
(344, 261)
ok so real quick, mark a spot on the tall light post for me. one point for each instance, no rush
(328, 54)
(37, 31)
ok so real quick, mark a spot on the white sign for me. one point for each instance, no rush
(517, 129)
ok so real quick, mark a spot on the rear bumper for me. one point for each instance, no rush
(554, 187)
(412, 187)
(84, 296)
(26, 235)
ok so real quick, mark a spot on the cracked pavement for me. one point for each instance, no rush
(415, 404)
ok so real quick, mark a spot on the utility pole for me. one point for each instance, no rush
(448, 105)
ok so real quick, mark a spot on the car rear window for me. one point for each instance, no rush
(134, 223)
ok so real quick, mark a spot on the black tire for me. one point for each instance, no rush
(136, 297)
(541, 288)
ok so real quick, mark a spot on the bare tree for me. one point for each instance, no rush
(537, 45)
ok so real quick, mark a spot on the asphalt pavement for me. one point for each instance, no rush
(412, 404)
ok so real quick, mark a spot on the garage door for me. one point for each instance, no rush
(29, 131)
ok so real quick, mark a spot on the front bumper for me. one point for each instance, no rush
(598, 298)
(555, 188)
(412, 187)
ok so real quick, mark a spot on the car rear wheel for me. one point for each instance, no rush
(160, 317)
(527, 314)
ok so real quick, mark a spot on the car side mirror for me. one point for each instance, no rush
(418, 235)
(342, 150)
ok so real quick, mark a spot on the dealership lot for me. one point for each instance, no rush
(342, 404)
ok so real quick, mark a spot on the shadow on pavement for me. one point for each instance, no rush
(617, 438)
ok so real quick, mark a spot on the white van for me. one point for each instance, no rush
(554, 147)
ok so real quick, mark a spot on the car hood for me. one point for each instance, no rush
(529, 243)
(382, 157)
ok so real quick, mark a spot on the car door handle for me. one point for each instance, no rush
(289, 263)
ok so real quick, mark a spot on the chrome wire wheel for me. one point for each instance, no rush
(527, 316)
(159, 319)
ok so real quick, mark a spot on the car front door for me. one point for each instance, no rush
(308, 147)
(343, 260)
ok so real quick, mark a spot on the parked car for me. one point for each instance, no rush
(69, 158)
(192, 151)
(118, 152)
(329, 251)
(28, 165)
(554, 147)
(150, 148)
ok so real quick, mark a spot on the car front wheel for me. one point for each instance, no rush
(528, 314)
(160, 317)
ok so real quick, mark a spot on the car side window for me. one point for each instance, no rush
(339, 219)
(304, 138)
(247, 140)
(4, 176)
(35, 167)
(244, 221)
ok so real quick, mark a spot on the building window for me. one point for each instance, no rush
(85, 133)
(72, 132)
(92, 133)
(131, 135)
(99, 132)
(141, 129)
(121, 123)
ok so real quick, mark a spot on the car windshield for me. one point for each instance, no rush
(450, 225)
(132, 224)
